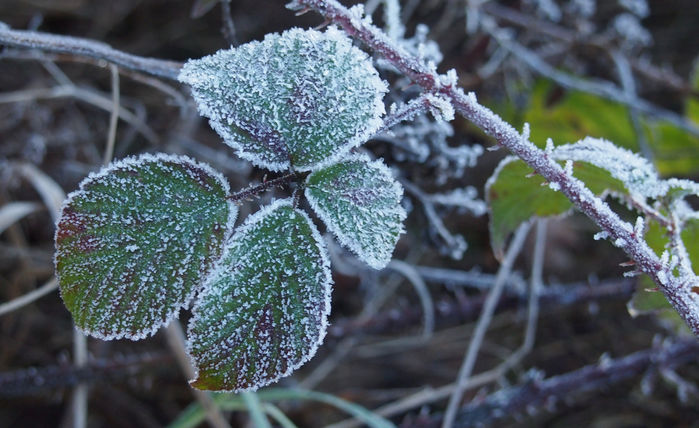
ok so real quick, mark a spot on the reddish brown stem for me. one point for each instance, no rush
(678, 290)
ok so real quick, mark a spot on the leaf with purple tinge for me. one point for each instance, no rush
(263, 311)
(359, 201)
(137, 239)
(297, 100)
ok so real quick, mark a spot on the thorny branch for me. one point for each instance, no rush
(34, 381)
(537, 393)
(677, 289)
(85, 47)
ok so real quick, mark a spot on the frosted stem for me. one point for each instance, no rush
(87, 48)
(678, 290)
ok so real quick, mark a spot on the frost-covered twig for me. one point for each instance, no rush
(90, 48)
(600, 88)
(455, 244)
(537, 393)
(678, 290)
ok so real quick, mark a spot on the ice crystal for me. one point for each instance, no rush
(296, 100)
(630, 29)
(637, 174)
(136, 240)
(359, 201)
(263, 312)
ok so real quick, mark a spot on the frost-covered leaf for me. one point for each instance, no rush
(263, 312)
(136, 240)
(636, 173)
(647, 299)
(359, 201)
(293, 101)
(515, 194)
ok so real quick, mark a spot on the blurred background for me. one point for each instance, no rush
(546, 63)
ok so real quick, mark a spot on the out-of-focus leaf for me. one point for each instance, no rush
(576, 115)
(647, 299)
(514, 195)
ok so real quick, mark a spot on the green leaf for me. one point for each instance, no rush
(263, 312)
(515, 194)
(359, 201)
(569, 116)
(194, 414)
(298, 100)
(137, 239)
(647, 299)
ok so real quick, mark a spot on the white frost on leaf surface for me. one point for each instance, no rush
(296, 100)
(637, 174)
(135, 242)
(359, 201)
(263, 311)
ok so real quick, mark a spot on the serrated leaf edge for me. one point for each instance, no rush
(248, 224)
(343, 239)
(360, 137)
(137, 161)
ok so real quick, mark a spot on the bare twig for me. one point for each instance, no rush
(26, 299)
(459, 312)
(537, 393)
(535, 285)
(113, 117)
(483, 323)
(176, 340)
(88, 96)
(677, 289)
(31, 381)
(411, 274)
(90, 48)
(79, 398)
(253, 191)
(229, 31)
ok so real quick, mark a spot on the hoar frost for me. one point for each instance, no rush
(136, 240)
(263, 312)
(297, 100)
(359, 201)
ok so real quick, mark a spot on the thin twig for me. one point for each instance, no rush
(483, 323)
(79, 398)
(229, 31)
(82, 94)
(176, 340)
(26, 299)
(421, 398)
(90, 48)
(537, 393)
(677, 289)
(628, 85)
(535, 285)
(600, 88)
(252, 191)
(113, 117)
(411, 274)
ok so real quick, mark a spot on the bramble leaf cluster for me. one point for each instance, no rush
(138, 240)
